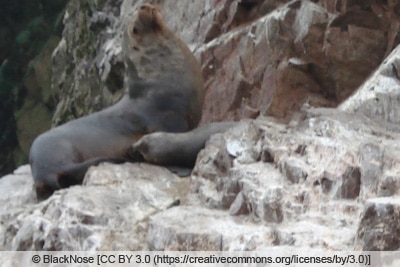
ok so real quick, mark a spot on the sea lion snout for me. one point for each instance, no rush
(146, 19)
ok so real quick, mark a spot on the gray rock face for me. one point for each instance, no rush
(258, 57)
(314, 182)
(107, 213)
(379, 227)
(324, 178)
(21, 180)
(378, 98)
(87, 69)
(317, 170)
(187, 228)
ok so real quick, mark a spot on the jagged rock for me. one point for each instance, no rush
(22, 192)
(87, 65)
(326, 158)
(295, 169)
(378, 98)
(379, 227)
(346, 184)
(302, 52)
(258, 57)
(231, 203)
(16, 194)
(106, 213)
(188, 228)
(389, 185)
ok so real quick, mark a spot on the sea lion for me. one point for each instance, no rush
(176, 149)
(165, 92)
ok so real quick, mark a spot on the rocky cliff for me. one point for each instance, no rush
(314, 162)
(29, 32)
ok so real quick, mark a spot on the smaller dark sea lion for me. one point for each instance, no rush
(176, 149)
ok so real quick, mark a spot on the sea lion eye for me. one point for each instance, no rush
(135, 30)
(143, 7)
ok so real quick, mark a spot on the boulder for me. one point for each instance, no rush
(106, 213)
(379, 228)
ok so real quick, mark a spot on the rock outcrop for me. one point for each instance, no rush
(258, 57)
(328, 179)
(116, 202)
(303, 174)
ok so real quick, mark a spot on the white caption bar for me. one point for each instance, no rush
(273, 257)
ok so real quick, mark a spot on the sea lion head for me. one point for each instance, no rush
(146, 20)
(150, 47)
(146, 27)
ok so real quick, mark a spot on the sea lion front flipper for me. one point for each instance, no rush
(74, 174)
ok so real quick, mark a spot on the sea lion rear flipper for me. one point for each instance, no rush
(74, 174)
(180, 171)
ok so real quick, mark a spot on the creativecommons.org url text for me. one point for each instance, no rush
(362, 260)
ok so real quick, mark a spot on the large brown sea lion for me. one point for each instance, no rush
(165, 93)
